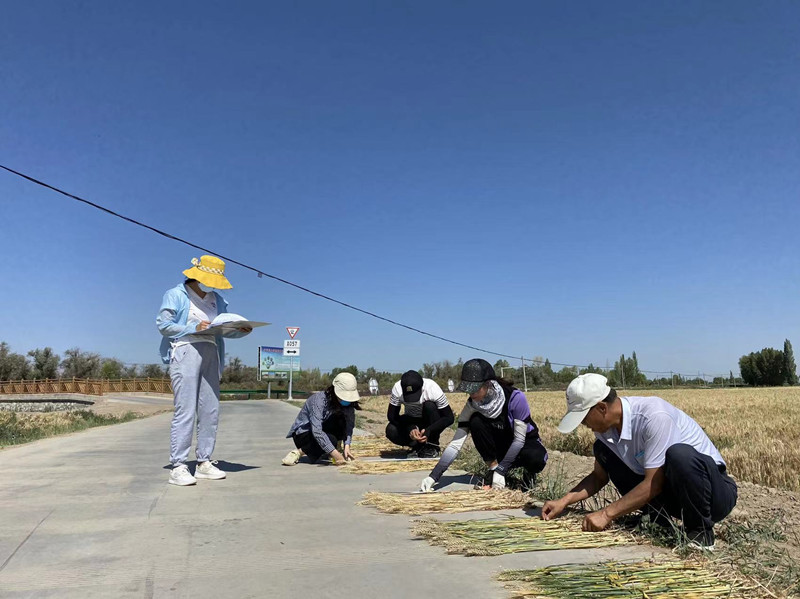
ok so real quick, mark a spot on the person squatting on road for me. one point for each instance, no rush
(326, 420)
(659, 459)
(499, 419)
(426, 414)
(195, 365)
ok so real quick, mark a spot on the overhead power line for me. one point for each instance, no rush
(247, 266)
(262, 273)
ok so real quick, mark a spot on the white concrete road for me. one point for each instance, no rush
(91, 515)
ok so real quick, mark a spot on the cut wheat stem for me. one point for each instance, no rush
(513, 535)
(415, 504)
(651, 579)
(385, 467)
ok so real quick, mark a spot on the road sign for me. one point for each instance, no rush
(291, 347)
(292, 331)
(273, 364)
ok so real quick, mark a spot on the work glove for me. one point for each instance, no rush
(498, 480)
(427, 485)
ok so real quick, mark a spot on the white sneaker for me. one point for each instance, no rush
(208, 471)
(181, 476)
(292, 457)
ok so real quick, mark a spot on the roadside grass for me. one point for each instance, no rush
(758, 549)
(20, 427)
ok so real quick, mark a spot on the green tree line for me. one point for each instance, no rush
(44, 363)
(769, 367)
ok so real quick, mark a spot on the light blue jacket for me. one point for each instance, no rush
(172, 322)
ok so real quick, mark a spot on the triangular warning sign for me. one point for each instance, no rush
(292, 331)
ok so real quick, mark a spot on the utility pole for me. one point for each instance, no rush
(524, 376)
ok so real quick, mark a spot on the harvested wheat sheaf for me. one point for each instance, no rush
(374, 447)
(652, 579)
(513, 535)
(386, 466)
(415, 504)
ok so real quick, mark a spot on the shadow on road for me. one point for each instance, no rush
(221, 464)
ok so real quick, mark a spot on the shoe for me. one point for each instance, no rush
(209, 471)
(702, 540)
(428, 451)
(292, 458)
(181, 476)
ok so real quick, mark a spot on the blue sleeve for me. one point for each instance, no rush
(350, 417)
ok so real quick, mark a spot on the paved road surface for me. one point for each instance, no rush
(91, 515)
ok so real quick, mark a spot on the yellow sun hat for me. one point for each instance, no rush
(210, 271)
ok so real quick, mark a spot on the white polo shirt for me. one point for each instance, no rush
(650, 426)
(430, 392)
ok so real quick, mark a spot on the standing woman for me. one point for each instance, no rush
(499, 419)
(327, 418)
(195, 365)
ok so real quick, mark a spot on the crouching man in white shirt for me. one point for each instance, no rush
(659, 459)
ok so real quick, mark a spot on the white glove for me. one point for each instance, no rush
(427, 485)
(498, 480)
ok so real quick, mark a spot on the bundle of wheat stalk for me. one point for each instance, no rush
(450, 502)
(651, 579)
(385, 466)
(375, 446)
(513, 535)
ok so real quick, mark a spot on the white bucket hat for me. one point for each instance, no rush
(583, 393)
(346, 387)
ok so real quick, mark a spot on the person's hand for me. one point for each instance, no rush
(423, 438)
(338, 458)
(553, 508)
(348, 455)
(596, 521)
(245, 330)
(427, 485)
(415, 434)
(498, 480)
(202, 325)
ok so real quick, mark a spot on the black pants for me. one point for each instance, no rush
(398, 431)
(697, 490)
(493, 437)
(336, 429)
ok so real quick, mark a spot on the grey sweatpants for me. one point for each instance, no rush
(194, 371)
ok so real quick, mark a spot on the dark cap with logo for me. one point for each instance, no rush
(411, 383)
(474, 373)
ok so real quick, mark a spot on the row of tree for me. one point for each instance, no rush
(766, 367)
(46, 364)
(769, 367)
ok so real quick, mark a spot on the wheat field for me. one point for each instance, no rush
(757, 430)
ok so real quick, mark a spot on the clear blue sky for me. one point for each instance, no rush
(572, 181)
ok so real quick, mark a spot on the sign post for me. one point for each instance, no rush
(291, 348)
(274, 364)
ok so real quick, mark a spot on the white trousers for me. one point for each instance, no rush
(194, 371)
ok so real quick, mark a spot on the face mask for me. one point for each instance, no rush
(344, 403)
(204, 288)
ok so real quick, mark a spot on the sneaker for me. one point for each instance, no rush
(292, 458)
(428, 451)
(209, 471)
(702, 540)
(181, 476)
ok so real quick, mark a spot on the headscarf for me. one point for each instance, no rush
(492, 405)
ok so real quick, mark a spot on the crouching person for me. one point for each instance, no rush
(659, 459)
(426, 414)
(326, 420)
(498, 417)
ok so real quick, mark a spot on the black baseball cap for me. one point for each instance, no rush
(411, 383)
(474, 373)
